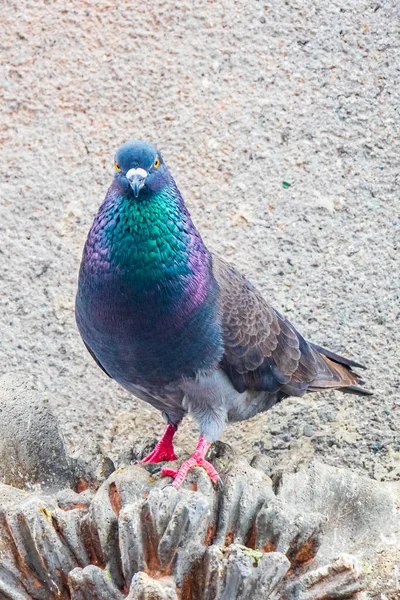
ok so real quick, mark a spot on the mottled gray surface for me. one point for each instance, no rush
(362, 518)
(199, 543)
(240, 97)
(32, 450)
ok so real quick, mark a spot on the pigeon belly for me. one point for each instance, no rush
(213, 401)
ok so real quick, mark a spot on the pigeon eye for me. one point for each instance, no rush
(156, 163)
(117, 167)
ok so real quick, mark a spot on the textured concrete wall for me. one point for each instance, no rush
(240, 97)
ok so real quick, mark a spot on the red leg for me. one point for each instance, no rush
(164, 449)
(196, 460)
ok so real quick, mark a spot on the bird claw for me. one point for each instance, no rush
(164, 451)
(179, 475)
(218, 484)
(159, 455)
(167, 472)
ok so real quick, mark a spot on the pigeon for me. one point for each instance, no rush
(180, 328)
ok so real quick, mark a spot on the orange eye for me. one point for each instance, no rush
(117, 167)
(156, 163)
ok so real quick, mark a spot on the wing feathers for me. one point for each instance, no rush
(263, 351)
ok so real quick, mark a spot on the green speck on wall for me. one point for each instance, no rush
(367, 568)
(254, 554)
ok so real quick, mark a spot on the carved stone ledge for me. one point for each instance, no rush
(316, 533)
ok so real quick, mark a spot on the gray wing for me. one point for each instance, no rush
(263, 351)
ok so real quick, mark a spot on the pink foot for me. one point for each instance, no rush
(196, 460)
(164, 450)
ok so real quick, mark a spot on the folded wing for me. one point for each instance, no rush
(263, 351)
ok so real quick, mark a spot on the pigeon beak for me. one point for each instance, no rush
(136, 178)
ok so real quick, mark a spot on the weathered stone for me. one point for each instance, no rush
(296, 534)
(92, 583)
(134, 536)
(341, 579)
(263, 463)
(142, 448)
(14, 580)
(91, 468)
(32, 450)
(244, 493)
(362, 517)
(163, 526)
(9, 496)
(82, 532)
(68, 499)
(140, 537)
(144, 587)
(31, 546)
(73, 528)
(104, 512)
(241, 573)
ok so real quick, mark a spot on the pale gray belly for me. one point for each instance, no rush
(210, 398)
(213, 401)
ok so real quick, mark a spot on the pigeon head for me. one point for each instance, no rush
(140, 168)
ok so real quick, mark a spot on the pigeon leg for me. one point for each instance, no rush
(196, 460)
(164, 449)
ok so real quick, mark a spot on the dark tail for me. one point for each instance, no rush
(347, 380)
(354, 389)
(341, 360)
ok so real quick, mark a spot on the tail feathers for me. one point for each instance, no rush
(341, 360)
(354, 389)
(335, 372)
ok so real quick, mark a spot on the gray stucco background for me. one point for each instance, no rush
(279, 121)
